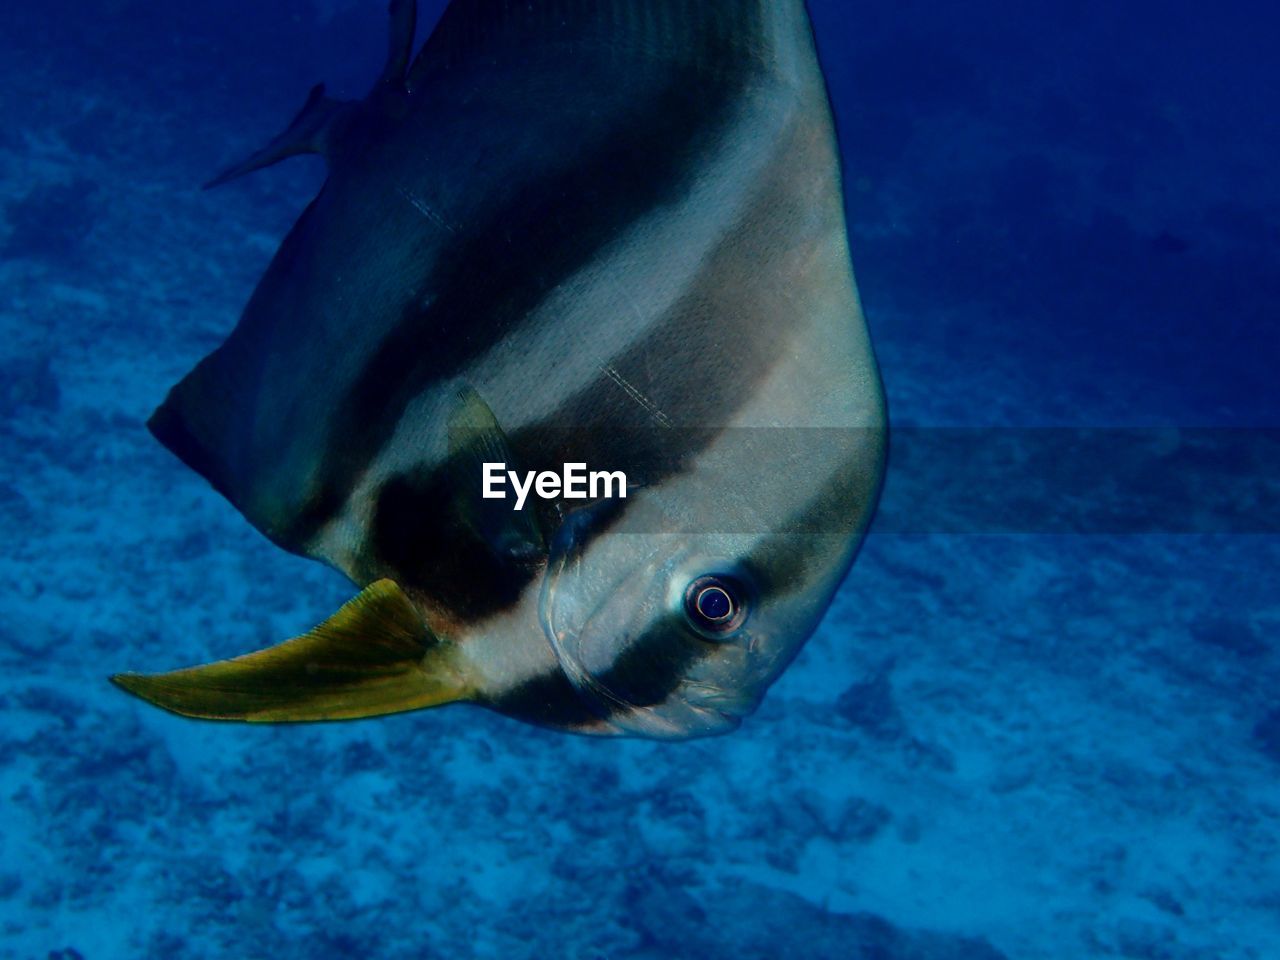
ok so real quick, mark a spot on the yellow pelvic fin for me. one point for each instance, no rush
(374, 656)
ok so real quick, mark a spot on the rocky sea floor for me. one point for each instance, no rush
(1027, 745)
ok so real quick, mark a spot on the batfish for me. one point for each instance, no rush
(565, 232)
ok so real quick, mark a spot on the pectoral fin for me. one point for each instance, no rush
(475, 438)
(374, 656)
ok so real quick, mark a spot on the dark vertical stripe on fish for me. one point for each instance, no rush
(548, 699)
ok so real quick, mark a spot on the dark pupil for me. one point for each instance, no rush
(715, 604)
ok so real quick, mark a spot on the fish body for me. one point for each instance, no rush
(609, 234)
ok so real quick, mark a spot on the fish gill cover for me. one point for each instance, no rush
(1039, 721)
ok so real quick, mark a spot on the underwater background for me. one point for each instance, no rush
(1042, 719)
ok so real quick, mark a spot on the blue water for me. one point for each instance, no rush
(1032, 745)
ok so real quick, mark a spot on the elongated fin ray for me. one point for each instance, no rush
(308, 132)
(375, 656)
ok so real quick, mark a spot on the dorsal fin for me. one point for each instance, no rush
(404, 23)
(309, 132)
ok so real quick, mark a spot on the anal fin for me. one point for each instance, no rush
(309, 132)
(375, 656)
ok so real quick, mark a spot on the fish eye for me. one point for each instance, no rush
(715, 605)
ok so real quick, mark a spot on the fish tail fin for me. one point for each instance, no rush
(373, 657)
(309, 132)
